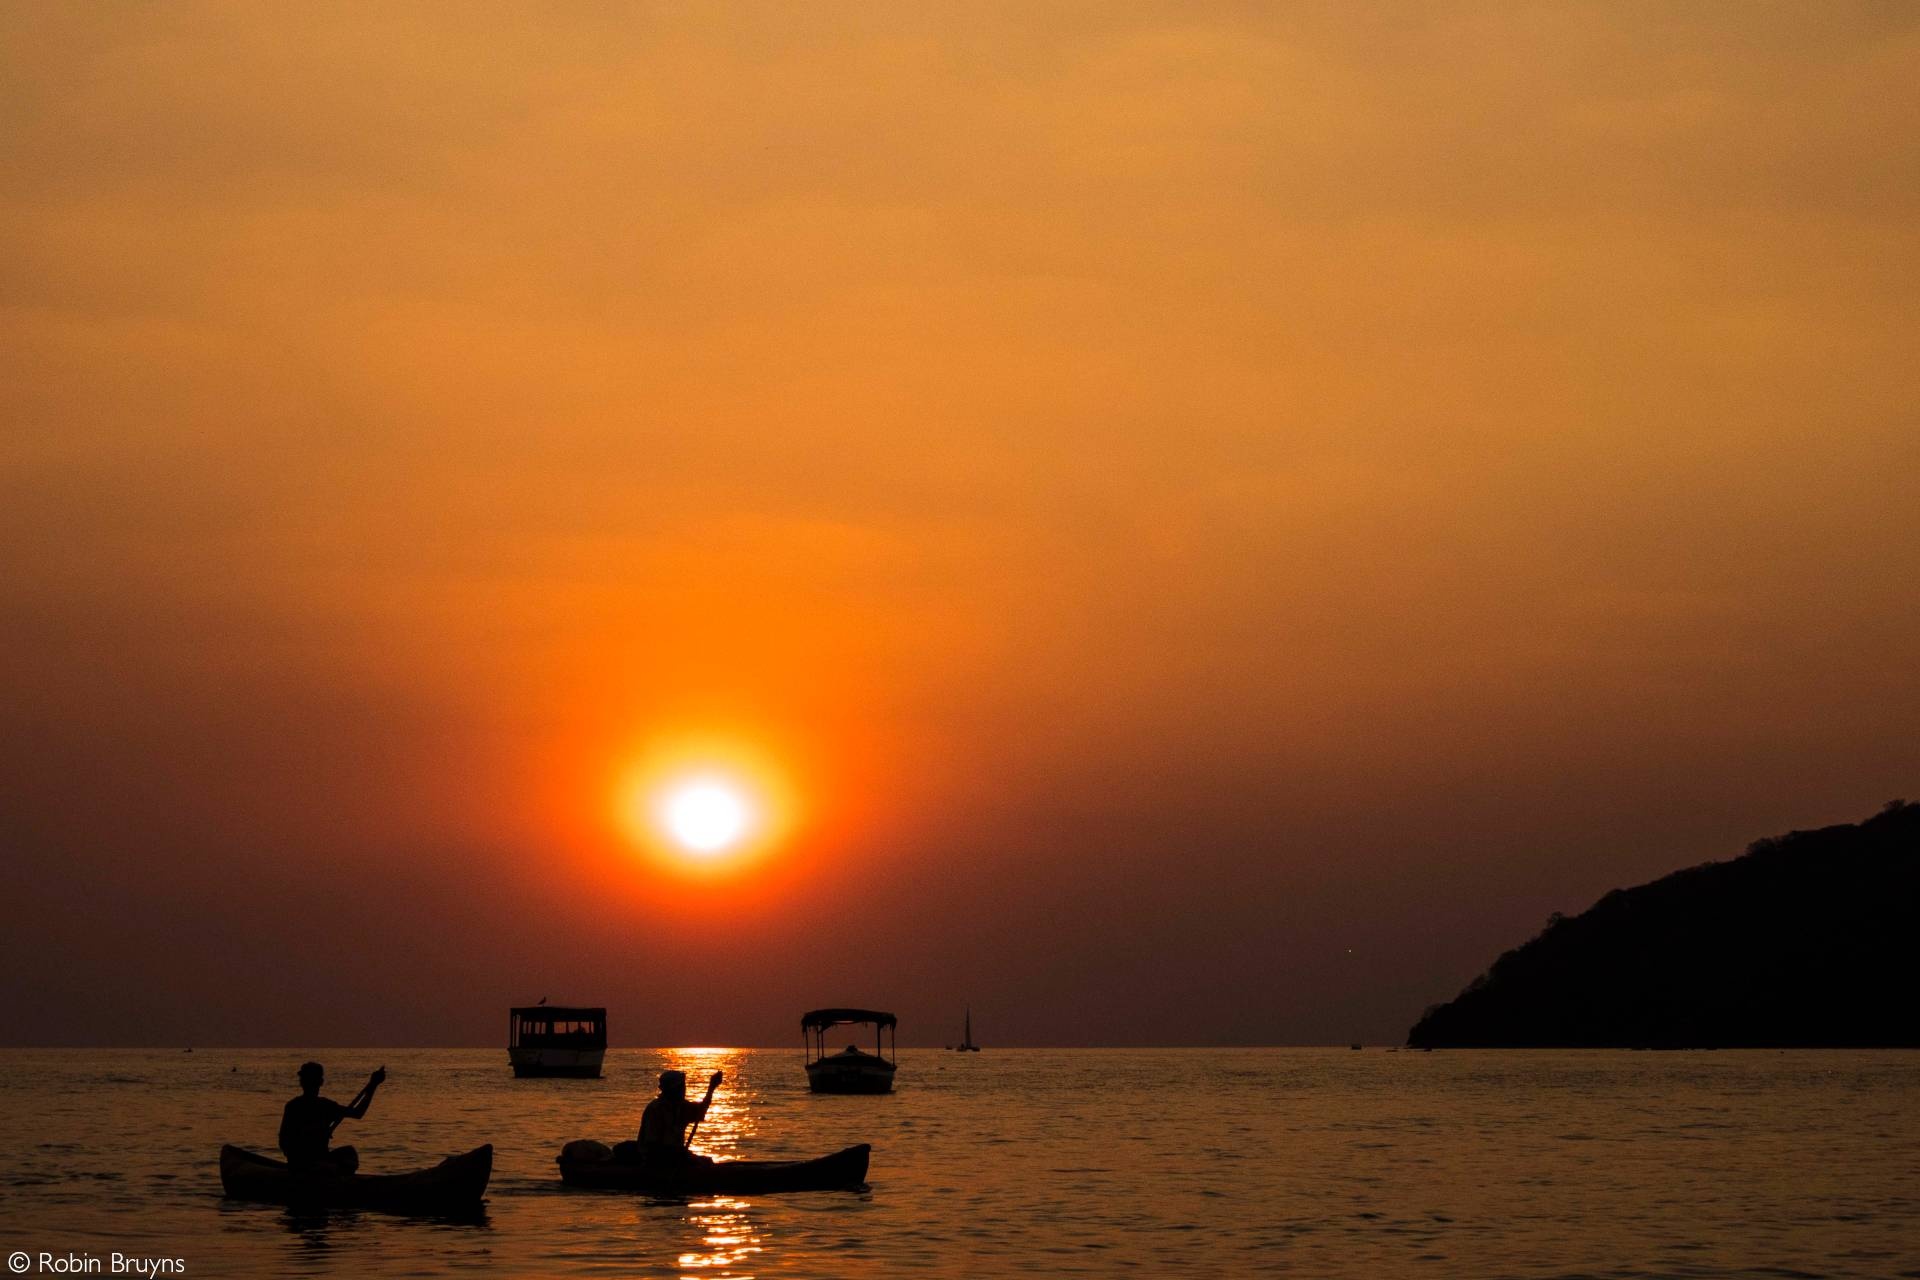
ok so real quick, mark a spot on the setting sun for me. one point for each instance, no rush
(706, 815)
(705, 805)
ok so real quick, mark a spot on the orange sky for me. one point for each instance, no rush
(1222, 519)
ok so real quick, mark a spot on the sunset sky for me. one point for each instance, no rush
(1202, 523)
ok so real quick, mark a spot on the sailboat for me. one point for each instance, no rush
(966, 1044)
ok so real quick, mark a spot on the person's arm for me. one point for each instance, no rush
(700, 1107)
(359, 1108)
(689, 1112)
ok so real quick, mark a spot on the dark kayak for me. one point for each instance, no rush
(591, 1164)
(455, 1184)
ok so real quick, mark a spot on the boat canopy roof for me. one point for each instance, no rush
(834, 1017)
(559, 1012)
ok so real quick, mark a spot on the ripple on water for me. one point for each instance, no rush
(1021, 1162)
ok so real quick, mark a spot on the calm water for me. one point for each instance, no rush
(1031, 1162)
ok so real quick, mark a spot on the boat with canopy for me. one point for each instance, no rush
(852, 1070)
(557, 1040)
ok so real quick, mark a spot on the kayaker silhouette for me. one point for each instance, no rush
(663, 1125)
(307, 1124)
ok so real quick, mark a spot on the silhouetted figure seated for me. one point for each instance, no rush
(307, 1124)
(663, 1125)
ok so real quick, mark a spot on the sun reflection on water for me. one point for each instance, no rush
(729, 1236)
(730, 1119)
(722, 1241)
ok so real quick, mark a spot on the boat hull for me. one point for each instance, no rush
(582, 1166)
(844, 1073)
(454, 1185)
(573, 1064)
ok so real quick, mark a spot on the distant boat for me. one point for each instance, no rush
(556, 1040)
(852, 1070)
(966, 1044)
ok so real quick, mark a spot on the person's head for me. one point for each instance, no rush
(311, 1077)
(673, 1084)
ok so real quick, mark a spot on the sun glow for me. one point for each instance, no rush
(705, 809)
(706, 815)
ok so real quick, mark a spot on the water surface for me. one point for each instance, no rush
(1023, 1162)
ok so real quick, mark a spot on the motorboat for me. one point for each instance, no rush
(557, 1040)
(852, 1070)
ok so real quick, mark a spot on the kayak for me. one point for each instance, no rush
(593, 1164)
(454, 1184)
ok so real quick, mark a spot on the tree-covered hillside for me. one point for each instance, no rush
(1807, 939)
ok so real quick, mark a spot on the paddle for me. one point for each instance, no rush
(365, 1094)
(712, 1084)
